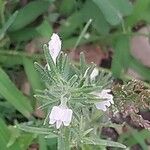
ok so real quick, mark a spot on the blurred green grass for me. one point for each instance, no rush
(112, 24)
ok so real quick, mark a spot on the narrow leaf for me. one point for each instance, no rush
(7, 24)
(4, 134)
(45, 29)
(9, 91)
(124, 6)
(112, 15)
(29, 13)
(32, 74)
(96, 141)
(122, 57)
(83, 66)
(49, 59)
(36, 130)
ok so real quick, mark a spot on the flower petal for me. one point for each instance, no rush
(60, 115)
(67, 116)
(54, 115)
(58, 124)
(111, 100)
(101, 106)
(108, 99)
(54, 46)
(105, 93)
(94, 73)
(52, 121)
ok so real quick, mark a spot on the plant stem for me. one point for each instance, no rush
(82, 33)
(63, 140)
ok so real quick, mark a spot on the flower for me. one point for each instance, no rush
(59, 115)
(94, 73)
(54, 46)
(104, 94)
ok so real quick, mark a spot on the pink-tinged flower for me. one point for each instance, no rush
(54, 46)
(59, 115)
(104, 94)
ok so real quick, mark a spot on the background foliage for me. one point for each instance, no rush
(113, 23)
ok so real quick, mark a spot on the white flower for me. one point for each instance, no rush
(59, 115)
(54, 46)
(104, 94)
(94, 74)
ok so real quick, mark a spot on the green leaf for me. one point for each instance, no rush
(42, 143)
(83, 66)
(72, 80)
(98, 20)
(69, 43)
(32, 74)
(124, 6)
(18, 140)
(36, 130)
(128, 138)
(59, 61)
(13, 140)
(43, 73)
(82, 34)
(67, 9)
(76, 20)
(112, 15)
(104, 79)
(121, 58)
(4, 135)
(71, 24)
(28, 33)
(29, 13)
(14, 134)
(90, 69)
(7, 24)
(9, 91)
(2, 11)
(45, 29)
(24, 34)
(11, 58)
(63, 142)
(49, 59)
(96, 141)
(140, 68)
(87, 131)
(139, 138)
(23, 141)
(141, 11)
(65, 67)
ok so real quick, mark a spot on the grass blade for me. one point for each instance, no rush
(9, 91)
